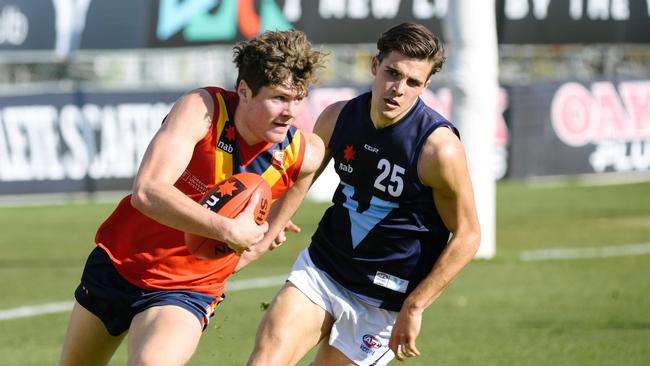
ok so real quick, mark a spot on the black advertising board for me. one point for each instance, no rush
(361, 21)
(93, 141)
(127, 24)
(86, 24)
(90, 141)
(324, 21)
(573, 21)
(569, 128)
(117, 24)
(27, 25)
(70, 142)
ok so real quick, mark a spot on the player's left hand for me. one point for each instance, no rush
(405, 331)
(282, 236)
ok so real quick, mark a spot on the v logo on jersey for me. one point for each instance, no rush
(362, 223)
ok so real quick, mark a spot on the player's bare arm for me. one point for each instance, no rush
(324, 127)
(322, 132)
(283, 209)
(442, 166)
(166, 157)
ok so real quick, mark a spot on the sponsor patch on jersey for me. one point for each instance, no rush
(390, 282)
(225, 147)
(370, 344)
(278, 159)
(371, 148)
(349, 153)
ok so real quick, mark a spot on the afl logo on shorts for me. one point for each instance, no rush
(370, 344)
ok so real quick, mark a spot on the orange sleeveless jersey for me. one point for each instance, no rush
(154, 256)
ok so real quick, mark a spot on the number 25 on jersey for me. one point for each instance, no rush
(390, 178)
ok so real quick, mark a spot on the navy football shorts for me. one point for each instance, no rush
(114, 300)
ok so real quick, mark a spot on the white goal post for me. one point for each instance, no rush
(472, 62)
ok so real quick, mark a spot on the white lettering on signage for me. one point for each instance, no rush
(600, 9)
(16, 148)
(580, 116)
(575, 9)
(604, 9)
(621, 156)
(30, 149)
(387, 9)
(427, 9)
(540, 8)
(14, 26)
(516, 9)
(618, 123)
(618, 10)
(519, 9)
(636, 97)
(5, 157)
(332, 9)
(292, 10)
(71, 123)
(595, 9)
(41, 143)
(358, 9)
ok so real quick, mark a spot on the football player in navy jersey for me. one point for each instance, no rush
(402, 226)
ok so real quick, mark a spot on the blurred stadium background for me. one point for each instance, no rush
(84, 84)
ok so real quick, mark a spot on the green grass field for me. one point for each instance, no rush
(505, 311)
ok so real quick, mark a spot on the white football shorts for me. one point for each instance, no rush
(360, 331)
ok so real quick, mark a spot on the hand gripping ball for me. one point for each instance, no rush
(228, 198)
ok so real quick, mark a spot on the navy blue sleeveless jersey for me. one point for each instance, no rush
(382, 234)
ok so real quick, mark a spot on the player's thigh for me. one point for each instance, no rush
(328, 356)
(163, 335)
(87, 342)
(292, 326)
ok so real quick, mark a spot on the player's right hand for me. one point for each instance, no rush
(244, 230)
(282, 236)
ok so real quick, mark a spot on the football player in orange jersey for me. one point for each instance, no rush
(140, 278)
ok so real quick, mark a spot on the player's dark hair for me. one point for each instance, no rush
(414, 41)
(276, 58)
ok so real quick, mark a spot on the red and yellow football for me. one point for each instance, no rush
(228, 198)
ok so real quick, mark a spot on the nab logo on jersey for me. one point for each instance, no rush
(348, 156)
(230, 136)
(225, 147)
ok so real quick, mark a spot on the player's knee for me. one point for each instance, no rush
(265, 356)
(152, 359)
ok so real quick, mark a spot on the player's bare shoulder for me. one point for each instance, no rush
(441, 156)
(195, 105)
(326, 121)
(314, 153)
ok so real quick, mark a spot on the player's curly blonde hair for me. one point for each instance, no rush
(277, 58)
